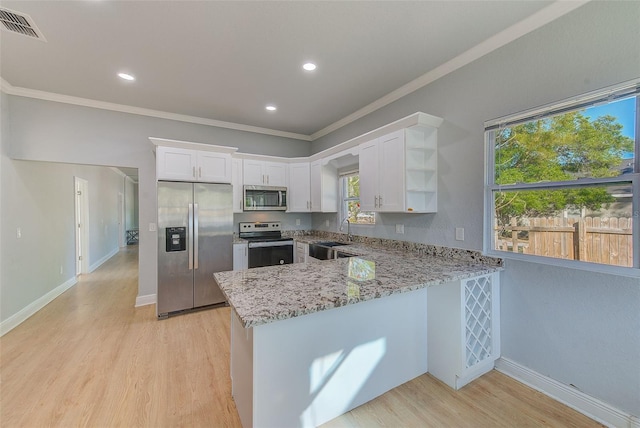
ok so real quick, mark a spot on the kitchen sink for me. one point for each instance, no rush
(324, 250)
(330, 244)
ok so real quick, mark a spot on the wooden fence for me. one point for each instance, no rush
(605, 240)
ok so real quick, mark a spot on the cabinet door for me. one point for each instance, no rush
(369, 176)
(214, 167)
(240, 256)
(299, 188)
(236, 181)
(175, 164)
(391, 172)
(315, 179)
(276, 174)
(252, 172)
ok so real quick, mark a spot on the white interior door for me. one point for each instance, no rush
(81, 192)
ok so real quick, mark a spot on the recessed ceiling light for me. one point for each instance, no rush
(126, 76)
(309, 66)
(271, 107)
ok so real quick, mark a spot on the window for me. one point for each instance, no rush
(562, 182)
(350, 193)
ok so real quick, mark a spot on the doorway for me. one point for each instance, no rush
(81, 193)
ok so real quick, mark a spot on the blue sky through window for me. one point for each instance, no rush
(624, 110)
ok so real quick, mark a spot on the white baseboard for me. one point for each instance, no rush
(579, 401)
(99, 263)
(19, 317)
(149, 299)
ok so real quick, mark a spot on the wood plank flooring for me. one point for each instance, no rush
(91, 359)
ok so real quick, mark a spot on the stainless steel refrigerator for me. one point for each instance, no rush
(195, 239)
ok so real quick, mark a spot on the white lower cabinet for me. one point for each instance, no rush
(302, 252)
(240, 256)
(463, 328)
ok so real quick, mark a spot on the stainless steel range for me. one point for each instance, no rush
(267, 247)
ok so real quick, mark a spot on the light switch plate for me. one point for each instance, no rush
(400, 229)
(152, 227)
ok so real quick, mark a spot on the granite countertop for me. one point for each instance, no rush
(268, 294)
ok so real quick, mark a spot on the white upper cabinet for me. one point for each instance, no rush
(299, 196)
(398, 172)
(180, 164)
(236, 181)
(264, 173)
(324, 187)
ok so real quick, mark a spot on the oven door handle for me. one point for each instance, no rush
(270, 244)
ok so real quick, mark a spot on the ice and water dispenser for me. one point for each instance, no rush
(176, 239)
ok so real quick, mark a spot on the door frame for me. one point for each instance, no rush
(81, 199)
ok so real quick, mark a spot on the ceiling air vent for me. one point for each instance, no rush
(20, 23)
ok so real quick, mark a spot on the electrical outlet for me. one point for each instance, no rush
(297, 222)
(459, 233)
(326, 223)
(400, 229)
(152, 227)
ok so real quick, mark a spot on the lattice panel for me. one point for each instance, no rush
(477, 298)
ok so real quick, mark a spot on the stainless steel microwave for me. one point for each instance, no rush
(265, 198)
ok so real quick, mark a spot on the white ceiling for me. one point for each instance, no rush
(226, 60)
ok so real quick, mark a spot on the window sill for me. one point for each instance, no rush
(567, 264)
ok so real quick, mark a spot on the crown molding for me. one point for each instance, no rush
(517, 30)
(7, 88)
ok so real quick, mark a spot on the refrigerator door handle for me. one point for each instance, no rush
(195, 237)
(189, 243)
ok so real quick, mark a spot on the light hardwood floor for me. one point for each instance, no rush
(91, 359)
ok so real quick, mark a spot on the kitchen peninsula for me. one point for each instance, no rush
(311, 341)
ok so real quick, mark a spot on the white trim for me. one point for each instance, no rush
(506, 36)
(577, 400)
(149, 299)
(99, 263)
(19, 317)
(67, 99)
(192, 145)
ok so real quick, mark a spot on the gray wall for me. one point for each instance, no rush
(38, 198)
(577, 327)
(56, 132)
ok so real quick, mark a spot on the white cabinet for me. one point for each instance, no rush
(264, 173)
(240, 256)
(180, 164)
(302, 252)
(463, 328)
(398, 172)
(299, 196)
(236, 181)
(324, 187)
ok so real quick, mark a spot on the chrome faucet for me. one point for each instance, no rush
(349, 235)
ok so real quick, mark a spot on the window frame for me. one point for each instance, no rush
(584, 101)
(344, 200)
